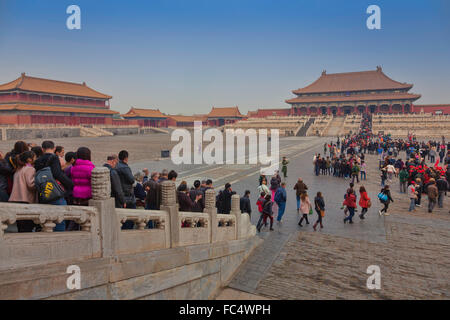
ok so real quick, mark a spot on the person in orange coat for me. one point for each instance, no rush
(364, 201)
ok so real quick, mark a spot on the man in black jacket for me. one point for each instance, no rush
(50, 159)
(126, 179)
(116, 186)
(245, 204)
(227, 194)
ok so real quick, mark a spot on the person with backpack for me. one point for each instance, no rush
(49, 172)
(267, 212)
(280, 199)
(305, 208)
(385, 198)
(320, 209)
(275, 184)
(364, 202)
(24, 190)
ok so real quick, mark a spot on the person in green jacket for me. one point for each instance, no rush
(284, 164)
(403, 177)
(355, 172)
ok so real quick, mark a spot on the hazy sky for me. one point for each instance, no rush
(186, 56)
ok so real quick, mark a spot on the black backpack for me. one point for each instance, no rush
(47, 187)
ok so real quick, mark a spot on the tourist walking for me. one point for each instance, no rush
(319, 204)
(280, 199)
(385, 198)
(363, 169)
(284, 164)
(443, 186)
(364, 202)
(403, 179)
(412, 195)
(305, 208)
(263, 187)
(300, 188)
(260, 205)
(267, 212)
(433, 193)
(350, 203)
(275, 184)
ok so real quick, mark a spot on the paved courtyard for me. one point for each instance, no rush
(412, 250)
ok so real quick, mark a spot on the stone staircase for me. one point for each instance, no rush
(303, 130)
(94, 132)
(335, 127)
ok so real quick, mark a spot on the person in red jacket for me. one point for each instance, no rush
(350, 202)
(364, 201)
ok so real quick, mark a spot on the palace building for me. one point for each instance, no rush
(354, 92)
(30, 100)
(218, 117)
(147, 117)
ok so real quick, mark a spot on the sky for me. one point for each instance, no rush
(184, 57)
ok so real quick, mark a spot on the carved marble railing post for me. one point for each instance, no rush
(210, 208)
(235, 201)
(101, 199)
(169, 204)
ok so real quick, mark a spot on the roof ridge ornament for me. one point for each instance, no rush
(379, 69)
(324, 72)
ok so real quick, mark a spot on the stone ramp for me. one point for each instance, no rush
(335, 127)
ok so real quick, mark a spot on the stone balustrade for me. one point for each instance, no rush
(25, 249)
(101, 233)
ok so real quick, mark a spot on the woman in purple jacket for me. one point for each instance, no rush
(80, 173)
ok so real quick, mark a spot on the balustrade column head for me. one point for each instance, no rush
(101, 183)
(168, 193)
(235, 201)
(210, 199)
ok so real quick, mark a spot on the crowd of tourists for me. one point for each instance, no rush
(49, 175)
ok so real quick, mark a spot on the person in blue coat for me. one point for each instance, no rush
(280, 199)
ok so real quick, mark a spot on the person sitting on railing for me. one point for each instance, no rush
(24, 190)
